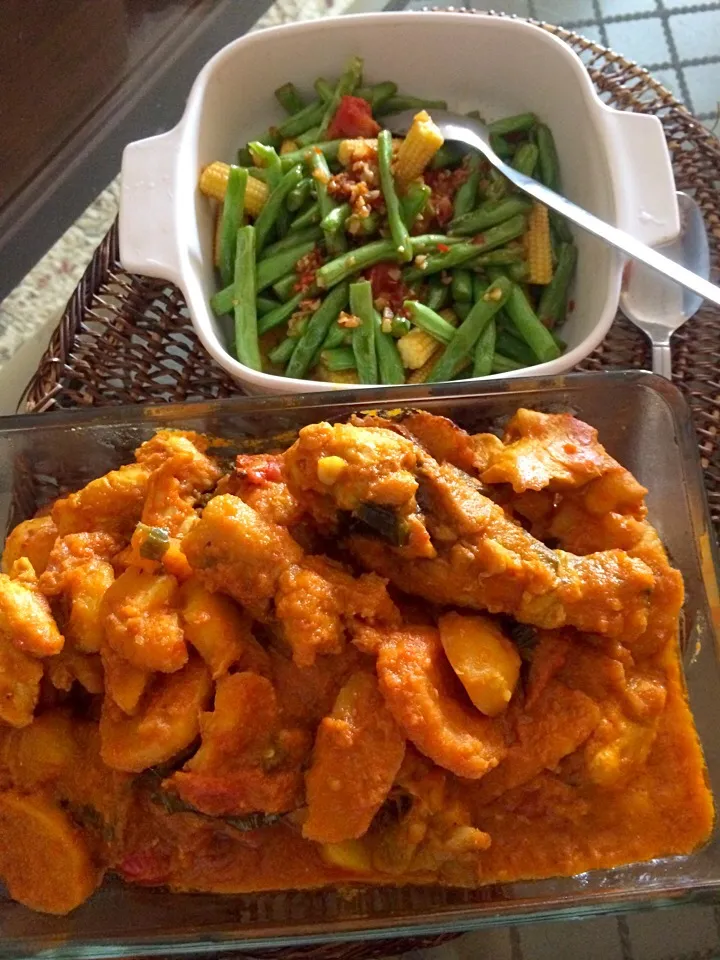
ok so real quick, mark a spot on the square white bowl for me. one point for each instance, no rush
(615, 164)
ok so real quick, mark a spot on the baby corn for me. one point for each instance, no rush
(422, 142)
(213, 183)
(538, 249)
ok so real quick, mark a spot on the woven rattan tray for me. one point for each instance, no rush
(128, 339)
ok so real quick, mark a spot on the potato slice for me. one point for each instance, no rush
(486, 662)
(51, 869)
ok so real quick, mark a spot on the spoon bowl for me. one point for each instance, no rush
(656, 305)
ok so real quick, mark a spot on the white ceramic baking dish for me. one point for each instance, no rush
(613, 163)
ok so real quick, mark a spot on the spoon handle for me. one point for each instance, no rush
(662, 359)
(615, 237)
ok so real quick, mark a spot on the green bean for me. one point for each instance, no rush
(338, 358)
(268, 216)
(488, 214)
(479, 287)
(462, 308)
(316, 331)
(337, 336)
(353, 261)
(232, 218)
(247, 347)
(466, 335)
(308, 217)
(449, 155)
(399, 104)
(518, 272)
(309, 116)
(462, 253)
(268, 158)
(323, 89)
(547, 158)
(398, 230)
(329, 149)
(554, 299)
(362, 226)
(335, 219)
(260, 173)
(399, 326)
(527, 325)
(265, 305)
(466, 196)
(291, 240)
(309, 137)
(503, 364)
(222, 301)
(335, 240)
(299, 195)
(282, 352)
(284, 288)
(363, 343)
(510, 345)
(526, 158)
(519, 123)
(429, 321)
(380, 93)
(271, 138)
(461, 286)
(349, 80)
(429, 242)
(288, 96)
(413, 202)
(271, 270)
(498, 185)
(438, 293)
(390, 365)
(501, 146)
(484, 350)
(280, 314)
(512, 253)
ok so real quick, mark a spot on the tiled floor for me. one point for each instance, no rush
(678, 41)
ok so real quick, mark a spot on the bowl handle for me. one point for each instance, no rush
(644, 183)
(148, 230)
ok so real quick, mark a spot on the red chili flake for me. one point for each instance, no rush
(443, 248)
(571, 306)
(258, 469)
(478, 240)
(387, 285)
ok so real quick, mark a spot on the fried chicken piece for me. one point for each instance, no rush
(234, 550)
(124, 683)
(142, 621)
(480, 557)
(422, 693)
(166, 723)
(33, 539)
(86, 586)
(112, 504)
(258, 480)
(177, 483)
(26, 620)
(72, 551)
(559, 721)
(247, 761)
(357, 754)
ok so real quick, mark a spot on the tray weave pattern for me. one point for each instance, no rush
(128, 339)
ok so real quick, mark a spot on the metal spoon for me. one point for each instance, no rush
(474, 134)
(659, 307)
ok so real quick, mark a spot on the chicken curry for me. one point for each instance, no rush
(393, 653)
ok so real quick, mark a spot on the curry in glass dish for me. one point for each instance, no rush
(393, 653)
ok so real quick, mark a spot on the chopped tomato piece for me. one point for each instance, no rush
(353, 118)
(443, 248)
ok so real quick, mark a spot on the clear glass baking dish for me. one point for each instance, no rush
(643, 421)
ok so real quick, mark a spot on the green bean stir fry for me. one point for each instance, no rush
(350, 256)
